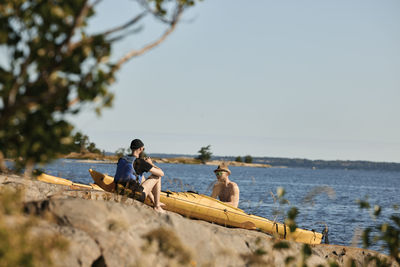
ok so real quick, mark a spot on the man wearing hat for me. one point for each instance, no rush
(226, 190)
(130, 171)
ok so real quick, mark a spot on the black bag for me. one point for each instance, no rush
(131, 189)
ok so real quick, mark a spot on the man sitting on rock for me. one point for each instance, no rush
(130, 171)
(226, 190)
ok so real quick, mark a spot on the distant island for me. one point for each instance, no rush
(333, 164)
(257, 161)
(324, 164)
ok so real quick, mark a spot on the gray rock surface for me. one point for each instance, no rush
(108, 230)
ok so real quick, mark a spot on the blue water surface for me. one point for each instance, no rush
(323, 197)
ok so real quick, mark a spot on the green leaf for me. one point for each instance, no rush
(306, 250)
(281, 245)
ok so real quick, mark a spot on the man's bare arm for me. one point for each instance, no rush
(154, 170)
(216, 190)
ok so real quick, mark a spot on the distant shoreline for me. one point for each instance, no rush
(260, 162)
(90, 158)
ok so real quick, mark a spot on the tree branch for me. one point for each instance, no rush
(73, 102)
(126, 25)
(3, 167)
(14, 89)
(79, 21)
(134, 20)
(135, 53)
(156, 14)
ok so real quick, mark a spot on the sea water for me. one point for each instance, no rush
(324, 197)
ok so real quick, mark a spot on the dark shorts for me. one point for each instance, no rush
(131, 189)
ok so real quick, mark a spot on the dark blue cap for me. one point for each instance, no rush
(136, 143)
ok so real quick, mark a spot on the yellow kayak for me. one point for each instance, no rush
(57, 180)
(209, 209)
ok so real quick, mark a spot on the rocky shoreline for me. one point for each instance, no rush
(103, 229)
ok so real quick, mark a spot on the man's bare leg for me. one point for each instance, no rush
(151, 197)
(153, 186)
(156, 193)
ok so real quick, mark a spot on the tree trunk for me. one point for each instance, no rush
(3, 167)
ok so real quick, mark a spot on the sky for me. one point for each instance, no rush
(297, 79)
